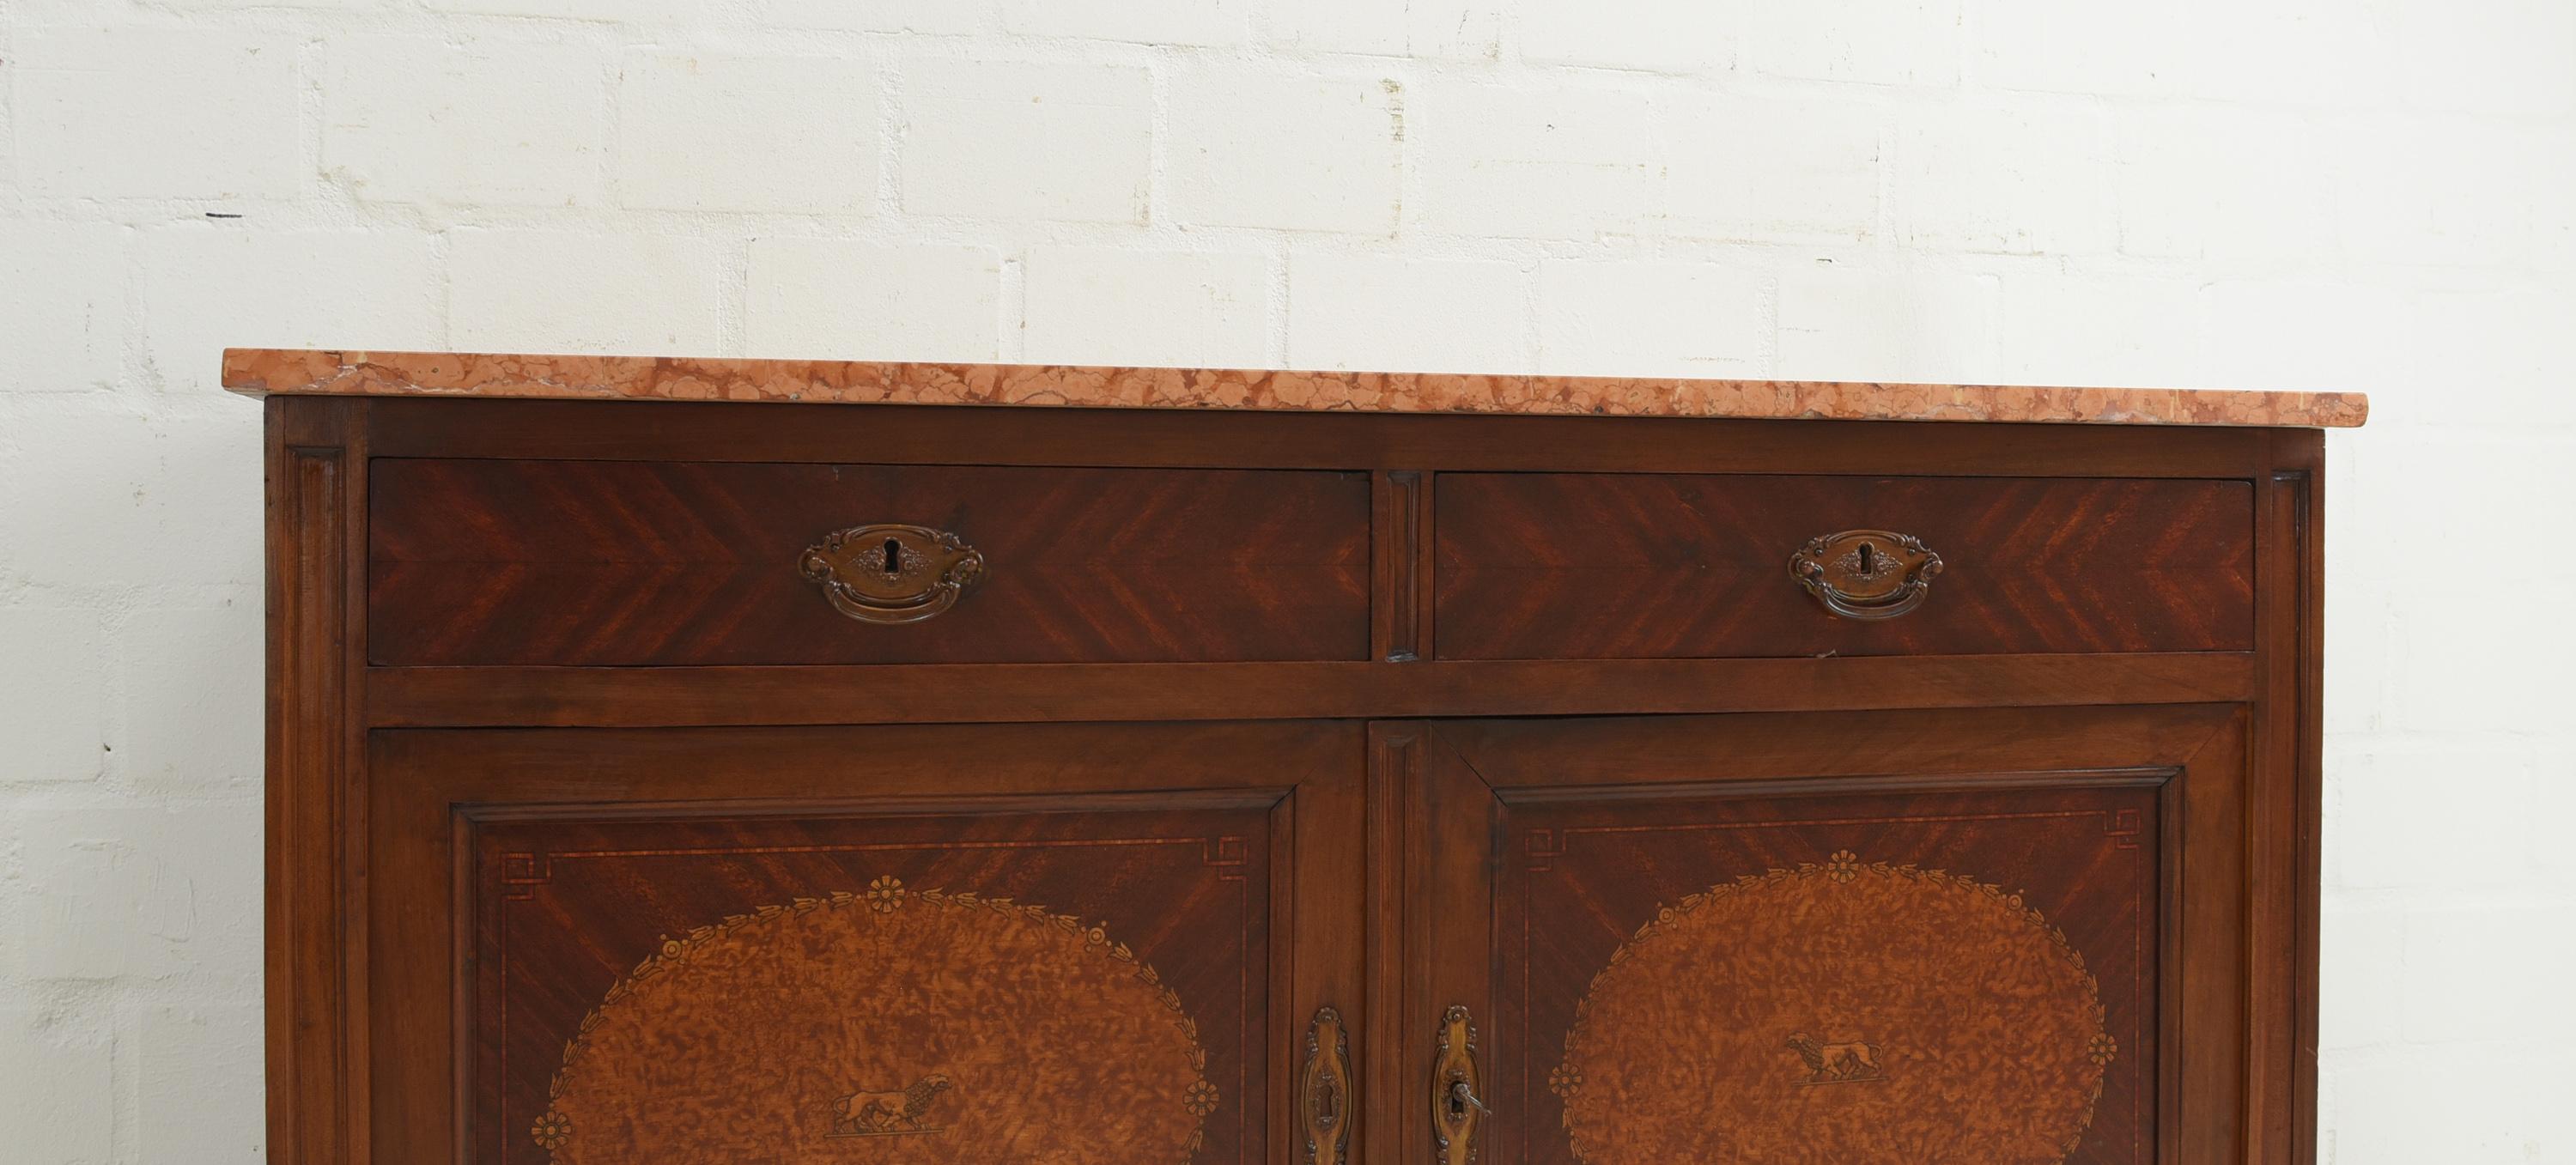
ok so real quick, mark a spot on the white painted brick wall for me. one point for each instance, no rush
(54, 718)
(92, 115)
(1027, 141)
(1884, 42)
(1677, 36)
(531, 290)
(1457, 315)
(2252, 193)
(1162, 22)
(2490, 56)
(816, 297)
(1428, 29)
(2107, 329)
(64, 281)
(1286, 152)
(1093, 305)
(2225, 187)
(57, 1088)
(927, 17)
(1577, 160)
(1652, 319)
(213, 283)
(699, 131)
(2019, 179)
(1782, 169)
(481, 121)
(1841, 322)
(197, 1117)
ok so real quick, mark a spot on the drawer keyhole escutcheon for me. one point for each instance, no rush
(1456, 1110)
(892, 574)
(1325, 1090)
(1866, 574)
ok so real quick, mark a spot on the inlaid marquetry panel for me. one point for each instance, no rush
(1937, 978)
(1081, 988)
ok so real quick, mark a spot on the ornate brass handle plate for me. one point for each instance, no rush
(1866, 574)
(1324, 1091)
(1456, 1106)
(892, 574)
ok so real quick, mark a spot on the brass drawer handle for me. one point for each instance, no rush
(1866, 574)
(1324, 1090)
(1455, 1080)
(890, 573)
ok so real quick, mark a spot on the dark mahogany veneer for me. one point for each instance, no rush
(1251, 763)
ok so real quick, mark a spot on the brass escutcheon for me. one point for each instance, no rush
(1456, 1109)
(892, 573)
(1866, 574)
(1324, 1090)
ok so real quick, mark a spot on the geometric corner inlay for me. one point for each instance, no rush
(1838, 1011)
(939, 1026)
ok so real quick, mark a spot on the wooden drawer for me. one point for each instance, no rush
(680, 563)
(1623, 566)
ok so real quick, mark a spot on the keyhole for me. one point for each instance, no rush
(1868, 560)
(893, 558)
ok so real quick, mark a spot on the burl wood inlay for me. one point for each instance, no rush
(349, 373)
(1840, 1011)
(884, 1025)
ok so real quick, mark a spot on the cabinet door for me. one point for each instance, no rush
(1097, 943)
(1981, 937)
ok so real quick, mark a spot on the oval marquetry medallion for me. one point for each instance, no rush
(1838, 1012)
(891, 1025)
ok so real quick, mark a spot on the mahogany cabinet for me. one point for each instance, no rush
(753, 783)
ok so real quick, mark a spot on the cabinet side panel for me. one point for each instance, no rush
(2285, 798)
(316, 1049)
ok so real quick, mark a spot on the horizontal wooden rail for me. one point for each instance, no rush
(427, 697)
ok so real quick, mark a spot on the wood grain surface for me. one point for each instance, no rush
(635, 563)
(1592, 566)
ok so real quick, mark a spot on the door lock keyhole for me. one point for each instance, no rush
(893, 558)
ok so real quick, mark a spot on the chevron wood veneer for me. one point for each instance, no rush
(628, 562)
(1673, 565)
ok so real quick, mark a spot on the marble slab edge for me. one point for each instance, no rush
(264, 371)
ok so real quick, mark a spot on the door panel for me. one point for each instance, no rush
(707, 946)
(1792, 974)
(1833, 938)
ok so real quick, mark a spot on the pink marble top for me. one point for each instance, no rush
(260, 371)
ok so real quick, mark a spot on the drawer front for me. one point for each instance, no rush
(605, 563)
(1617, 566)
